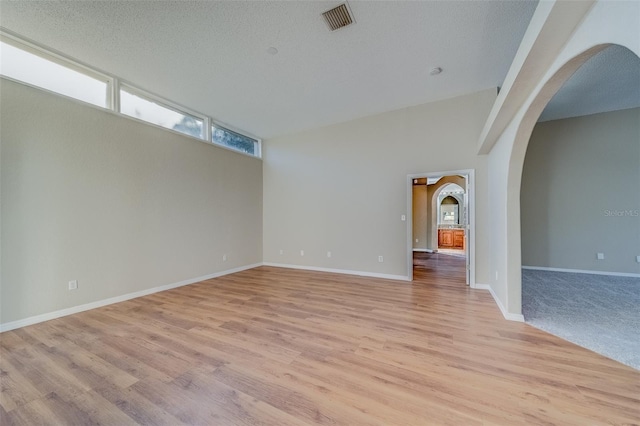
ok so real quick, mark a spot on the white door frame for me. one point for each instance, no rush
(469, 174)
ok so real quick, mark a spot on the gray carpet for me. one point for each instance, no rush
(597, 312)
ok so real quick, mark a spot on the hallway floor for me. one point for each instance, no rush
(439, 265)
(453, 252)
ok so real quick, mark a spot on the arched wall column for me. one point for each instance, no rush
(607, 23)
(514, 174)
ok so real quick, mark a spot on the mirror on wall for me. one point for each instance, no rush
(450, 205)
(449, 211)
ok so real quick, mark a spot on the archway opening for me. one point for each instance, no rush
(451, 220)
(578, 204)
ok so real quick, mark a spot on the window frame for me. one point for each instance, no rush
(59, 59)
(230, 129)
(112, 93)
(165, 103)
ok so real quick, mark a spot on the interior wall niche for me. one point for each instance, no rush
(451, 199)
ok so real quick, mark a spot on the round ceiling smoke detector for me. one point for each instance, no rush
(272, 50)
(435, 71)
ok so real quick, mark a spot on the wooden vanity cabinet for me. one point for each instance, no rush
(451, 238)
(445, 237)
(458, 238)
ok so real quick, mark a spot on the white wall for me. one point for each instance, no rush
(116, 204)
(581, 193)
(343, 188)
(499, 255)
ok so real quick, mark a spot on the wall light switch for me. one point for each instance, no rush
(380, 259)
(638, 259)
(600, 256)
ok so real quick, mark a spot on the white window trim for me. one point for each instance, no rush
(151, 97)
(57, 58)
(114, 85)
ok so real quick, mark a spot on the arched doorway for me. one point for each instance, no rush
(579, 197)
(561, 37)
(515, 167)
(451, 219)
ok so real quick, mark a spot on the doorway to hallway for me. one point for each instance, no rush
(440, 229)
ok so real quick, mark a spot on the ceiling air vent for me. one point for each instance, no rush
(338, 17)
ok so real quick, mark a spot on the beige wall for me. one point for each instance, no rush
(343, 188)
(581, 193)
(118, 205)
(420, 216)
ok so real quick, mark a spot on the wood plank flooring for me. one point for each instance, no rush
(274, 346)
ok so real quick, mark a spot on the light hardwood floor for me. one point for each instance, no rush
(284, 347)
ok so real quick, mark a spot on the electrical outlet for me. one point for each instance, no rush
(73, 285)
(380, 259)
(224, 257)
(638, 259)
(416, 240)
(281, 251)
(301, 252)
(328, 254)
(600, 256)
(496, 275)
(403, 218)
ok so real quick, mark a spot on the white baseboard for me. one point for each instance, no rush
(339, 271)
(92, 305)
(425, 250)
(582, 271)
(505, 314)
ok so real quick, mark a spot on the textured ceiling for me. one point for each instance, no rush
(608, 81)
(211, 56)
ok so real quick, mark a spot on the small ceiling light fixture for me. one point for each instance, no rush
(272, 51)
(435, 71)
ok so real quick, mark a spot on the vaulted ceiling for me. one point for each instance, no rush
(215, 57)
(608, 81)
